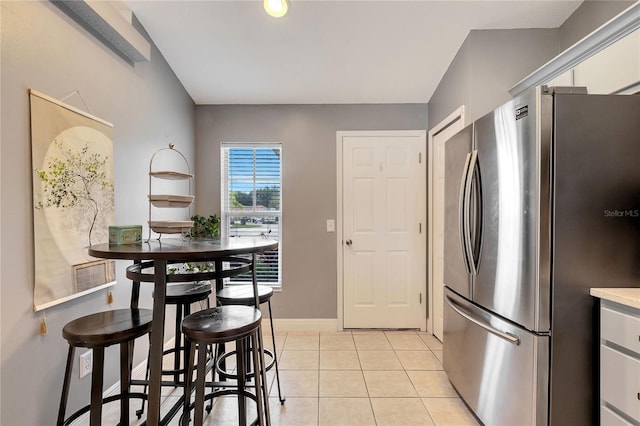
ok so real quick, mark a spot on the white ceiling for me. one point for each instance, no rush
(324, 52)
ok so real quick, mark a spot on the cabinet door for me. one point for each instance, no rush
(564, 79)
(613, 68)
(621, 327)
(619, 381)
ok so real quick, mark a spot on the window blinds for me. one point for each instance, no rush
(252, 199)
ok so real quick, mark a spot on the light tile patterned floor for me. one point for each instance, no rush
(352, 378)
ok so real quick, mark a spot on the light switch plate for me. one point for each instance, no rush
(331, 225)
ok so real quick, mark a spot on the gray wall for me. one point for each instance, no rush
(308, 136)
(490, 62)
(589, 16)
(45, 50)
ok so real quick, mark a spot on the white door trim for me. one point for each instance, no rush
(456, 115)
(339, 224)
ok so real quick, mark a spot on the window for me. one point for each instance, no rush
(252, 202)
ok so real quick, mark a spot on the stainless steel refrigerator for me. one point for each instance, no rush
(542, 202)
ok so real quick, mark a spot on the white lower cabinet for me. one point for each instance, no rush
(619, 365)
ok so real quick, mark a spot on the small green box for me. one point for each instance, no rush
(125, 234)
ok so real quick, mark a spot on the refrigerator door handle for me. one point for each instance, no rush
(476, 191)
(462, 312)
(464, 213)
(468, 244)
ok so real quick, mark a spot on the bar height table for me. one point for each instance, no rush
(158, 254)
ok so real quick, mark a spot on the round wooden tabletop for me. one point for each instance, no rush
(183, 249)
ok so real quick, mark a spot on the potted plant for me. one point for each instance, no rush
(205, 227)
(202, 228)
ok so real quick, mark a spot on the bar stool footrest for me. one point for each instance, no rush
(180, 370)
(249, 374)
(87, 408)
(209, 397)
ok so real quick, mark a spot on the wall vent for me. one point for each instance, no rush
(106, 21)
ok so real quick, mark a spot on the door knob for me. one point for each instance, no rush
(348, 242)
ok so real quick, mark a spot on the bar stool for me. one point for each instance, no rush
(98, 331)
(225, 324)
(243, 295)
(182, 296)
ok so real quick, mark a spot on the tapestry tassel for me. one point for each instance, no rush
(43, 326)
(109, 298)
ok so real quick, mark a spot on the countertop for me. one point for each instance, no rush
(625, 296)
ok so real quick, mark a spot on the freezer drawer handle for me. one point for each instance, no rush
(503, 334)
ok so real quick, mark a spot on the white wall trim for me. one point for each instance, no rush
(339, 231)
(456, 115)
(616, 28)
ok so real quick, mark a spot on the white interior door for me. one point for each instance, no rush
(438, 136)
(383, 216)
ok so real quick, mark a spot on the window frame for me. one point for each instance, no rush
(226, 212)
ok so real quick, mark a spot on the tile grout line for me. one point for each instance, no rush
(364, 379)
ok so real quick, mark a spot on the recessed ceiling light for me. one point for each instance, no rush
(276, 8)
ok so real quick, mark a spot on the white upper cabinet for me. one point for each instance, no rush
(613, 68)
(564, 79)
(605, 61)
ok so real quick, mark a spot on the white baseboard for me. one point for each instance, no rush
(283, 325)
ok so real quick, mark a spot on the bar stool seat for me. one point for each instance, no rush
(243, 295)
(187, 293)
(225, 324)
(98, 331)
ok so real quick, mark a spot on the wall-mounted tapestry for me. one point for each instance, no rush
(73, 202)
